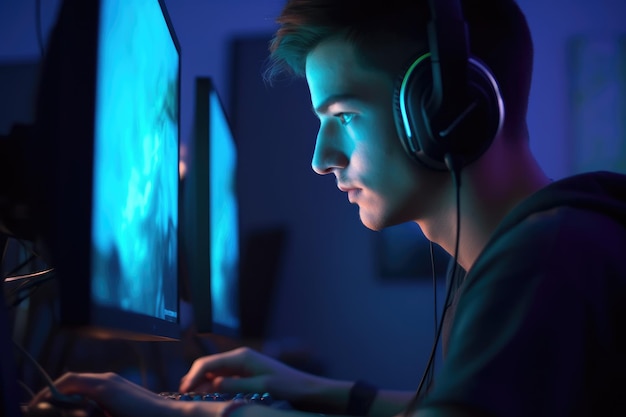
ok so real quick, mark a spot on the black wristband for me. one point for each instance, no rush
(361, 397)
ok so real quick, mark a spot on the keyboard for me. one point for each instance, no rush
(252, 398)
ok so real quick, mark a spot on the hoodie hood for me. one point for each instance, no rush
(602, 192)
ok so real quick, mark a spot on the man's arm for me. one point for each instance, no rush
(332, 396)
(447, 411)
(264, 411)
(389, 403)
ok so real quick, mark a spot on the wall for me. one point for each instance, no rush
(330, 301)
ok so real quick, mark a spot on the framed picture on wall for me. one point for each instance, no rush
(597, 85)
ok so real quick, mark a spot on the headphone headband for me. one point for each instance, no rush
(447, 103)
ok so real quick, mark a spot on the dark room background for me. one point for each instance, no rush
(330, 298)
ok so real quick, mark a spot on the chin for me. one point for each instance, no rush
(380, 220)
(369, 221)
(376, 222)
(372, 227)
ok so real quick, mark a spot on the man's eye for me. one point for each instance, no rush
(344, 118)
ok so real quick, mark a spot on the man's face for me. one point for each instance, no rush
(358, 143)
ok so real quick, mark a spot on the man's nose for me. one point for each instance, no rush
(329, 153)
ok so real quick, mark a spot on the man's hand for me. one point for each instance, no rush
(120, 397)
(246, 370)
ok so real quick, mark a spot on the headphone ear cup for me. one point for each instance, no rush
(411, 88)
(464, 136)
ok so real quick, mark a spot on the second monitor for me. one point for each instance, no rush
(210, 249)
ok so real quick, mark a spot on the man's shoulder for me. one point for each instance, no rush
(563, 245)
(558, 229)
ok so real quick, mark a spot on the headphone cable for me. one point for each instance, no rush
(456, 178)
(435, 307)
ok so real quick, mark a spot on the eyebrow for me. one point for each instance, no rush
(322, 108)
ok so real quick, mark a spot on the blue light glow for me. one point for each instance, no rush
(224, 219)
(135, 202)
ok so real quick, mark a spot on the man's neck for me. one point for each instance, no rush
(489, 191)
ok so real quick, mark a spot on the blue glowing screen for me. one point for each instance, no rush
(135, 184)
(224, 219)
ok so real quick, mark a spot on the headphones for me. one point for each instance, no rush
(447, 104)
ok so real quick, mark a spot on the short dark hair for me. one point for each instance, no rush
(498, 34)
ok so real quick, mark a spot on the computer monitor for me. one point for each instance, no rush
(106, 156)
(210, 216)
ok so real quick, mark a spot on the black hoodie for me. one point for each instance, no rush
(540, 324)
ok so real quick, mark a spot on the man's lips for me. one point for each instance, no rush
(344, 188)
(352, 191)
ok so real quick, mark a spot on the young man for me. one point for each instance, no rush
(535, 324)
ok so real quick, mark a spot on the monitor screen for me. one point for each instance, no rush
(210, 211)
(108, 126)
